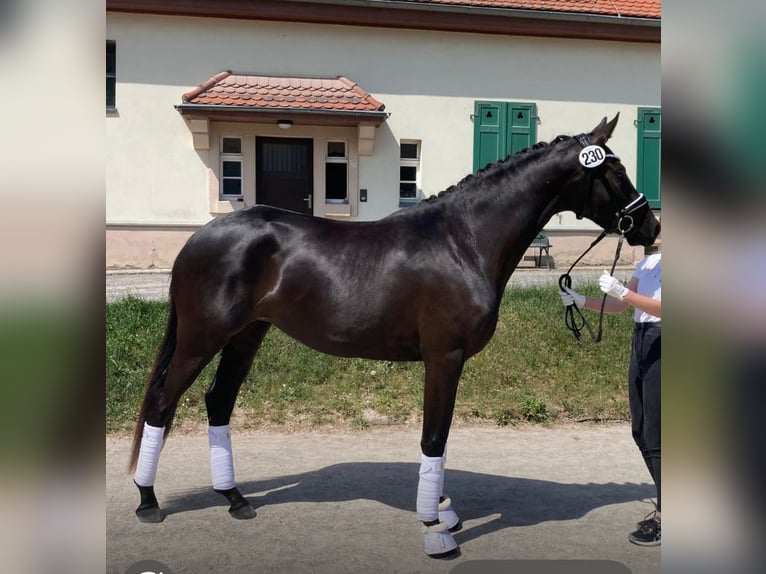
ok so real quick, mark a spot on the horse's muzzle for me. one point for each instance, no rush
(645, 234)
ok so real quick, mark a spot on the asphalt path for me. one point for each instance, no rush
(343, 502)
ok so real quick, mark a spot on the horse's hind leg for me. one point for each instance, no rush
(191, 355)
(236, 359)
(433, 509)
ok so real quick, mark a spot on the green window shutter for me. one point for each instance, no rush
(649, 155)
(500, 129)
(488, 133)
(522, 127)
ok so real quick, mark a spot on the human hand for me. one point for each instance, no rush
(570, 296)
(612, 286)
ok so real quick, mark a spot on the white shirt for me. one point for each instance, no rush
(649, 275)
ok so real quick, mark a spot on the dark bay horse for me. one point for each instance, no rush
(423, 284)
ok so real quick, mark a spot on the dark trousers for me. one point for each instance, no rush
(645, 396)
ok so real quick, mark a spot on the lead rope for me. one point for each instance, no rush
(572, 312)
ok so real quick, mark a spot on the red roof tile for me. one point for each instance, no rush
(275, 92)
(625, 8)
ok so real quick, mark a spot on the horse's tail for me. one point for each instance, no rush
(156, 380)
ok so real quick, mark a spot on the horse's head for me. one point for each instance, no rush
(601, 191)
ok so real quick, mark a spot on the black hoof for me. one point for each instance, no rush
(449, 555)
(240, 508)
(149, 509)
(458, 527)
(242, 513)
(151, 514)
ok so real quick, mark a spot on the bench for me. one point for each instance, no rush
(541, 243)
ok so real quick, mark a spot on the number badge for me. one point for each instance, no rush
(592, 156)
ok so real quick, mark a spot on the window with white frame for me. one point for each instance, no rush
(336, 172)
(231, 168)
(409, 172)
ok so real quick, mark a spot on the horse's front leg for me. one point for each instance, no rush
(433, 508)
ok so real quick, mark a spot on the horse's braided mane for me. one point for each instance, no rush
(493, 167)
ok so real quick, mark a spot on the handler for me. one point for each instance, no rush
(643, 293)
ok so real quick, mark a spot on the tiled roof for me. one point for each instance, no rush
(336, 94)
(626, 8)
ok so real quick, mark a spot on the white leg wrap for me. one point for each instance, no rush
(221, 459)
(430, 487)
(438, 539)
(446, 514)
(149, 455)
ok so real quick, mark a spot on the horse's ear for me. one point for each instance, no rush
(603, 131)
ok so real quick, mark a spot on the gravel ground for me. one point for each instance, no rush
(343, 502)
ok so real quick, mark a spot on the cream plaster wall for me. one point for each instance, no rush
(429, 82)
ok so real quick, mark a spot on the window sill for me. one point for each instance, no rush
(112, 112)
(337, 209)
(226, 206)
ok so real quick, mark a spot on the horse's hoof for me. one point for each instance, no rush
(149, 509)
(439, 543)
(449, 555)
(240, 508)
(150, 514)
(448, 515)
(245, 512)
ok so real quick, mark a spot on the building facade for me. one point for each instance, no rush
(353, 110)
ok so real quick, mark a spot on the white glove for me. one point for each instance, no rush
(569, 296)
(611, 286)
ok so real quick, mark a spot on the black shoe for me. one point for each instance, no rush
(646, 519)
(649, 534)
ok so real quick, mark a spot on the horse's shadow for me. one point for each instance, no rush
(517, 501)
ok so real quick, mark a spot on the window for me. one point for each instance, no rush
(111, 74)
(336, 173)
(409, 171)
(231, 168)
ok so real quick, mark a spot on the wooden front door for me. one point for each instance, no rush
(284, 173)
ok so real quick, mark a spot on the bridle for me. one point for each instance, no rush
(623, 222)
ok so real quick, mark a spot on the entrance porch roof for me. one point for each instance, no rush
(229, 96)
